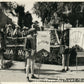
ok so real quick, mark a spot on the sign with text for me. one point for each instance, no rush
(43, 40)
(76, 37)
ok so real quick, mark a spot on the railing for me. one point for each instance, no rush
(16, 45)
(15, 49)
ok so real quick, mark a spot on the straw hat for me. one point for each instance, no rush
(36, 22)
(17, 26)
(25, 28)
(9, 25)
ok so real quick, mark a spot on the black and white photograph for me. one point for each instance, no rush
(41, 41)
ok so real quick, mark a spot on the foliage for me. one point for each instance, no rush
(6, 8)
(20, 12)
(78, 48)
(72, 11)
(15, 10)
(45, 10)
(24, 19)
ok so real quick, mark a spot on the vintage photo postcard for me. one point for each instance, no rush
(41, 41)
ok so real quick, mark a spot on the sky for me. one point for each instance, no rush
(28, 4)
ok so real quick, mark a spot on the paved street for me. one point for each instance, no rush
(47, 73)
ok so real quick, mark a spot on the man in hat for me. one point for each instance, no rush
(30, 52)
(25, 31)
(36, 25)
(17, 31)
(9, 30)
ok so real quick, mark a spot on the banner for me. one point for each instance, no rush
(43, 40)
(76, 37)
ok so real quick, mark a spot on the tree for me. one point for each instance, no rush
(75, 13)
(24, 19)
(20, 12)
(72, 12)
(45, 10)
(28, 19)
(64, 10)
(7, 8)
(3, 18)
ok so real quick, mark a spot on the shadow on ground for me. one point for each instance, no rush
(47, 72)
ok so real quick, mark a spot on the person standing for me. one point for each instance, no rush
(65, 52)
(30, 44)
(9, 30)
(65, 59)
(17, 31)
(2, 46)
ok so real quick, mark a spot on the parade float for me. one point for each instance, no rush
(47, 45)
